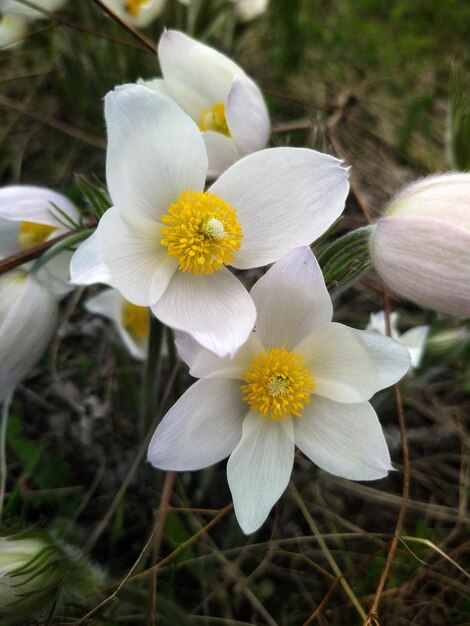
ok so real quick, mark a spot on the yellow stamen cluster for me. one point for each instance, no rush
(133, 6)
(31, 234)
(135, 320)
(201, 231)
(278, 384)
(213, 118)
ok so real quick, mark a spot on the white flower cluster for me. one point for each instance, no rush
(274, 371)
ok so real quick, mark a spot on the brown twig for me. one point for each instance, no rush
(373, 618)
(15, 260)
(157, 543)
(134, 31)
(215, 520)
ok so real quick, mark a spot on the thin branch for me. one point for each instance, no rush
(373, 618)
(20, 258)
(157, 544)
(134, 31)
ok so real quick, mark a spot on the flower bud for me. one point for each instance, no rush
(39, 574)
(421, 245)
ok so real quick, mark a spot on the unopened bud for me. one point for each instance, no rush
(421, 245)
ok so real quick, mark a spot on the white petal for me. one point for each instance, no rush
(341, 366)
(259, 468)
(221, 152)
(155, 151)
(28, 203)
(247, 116)
(343, 439)
(391, 360)
(378, 324)
(106, 303)
(285, 198)
(146, 13)
(202, 428)
(109, 304)
(291, 300)
(216, 309)
(26, 328)
(415, 341)
(55, 274)
(157, 84)
(206, 364)
(197, 76)
(87, 266)
(9, 242)
(139, 265)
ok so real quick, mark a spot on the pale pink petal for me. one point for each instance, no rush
(259, 468)
(202, 428)
(291, 300)
(430, 268)
(285, 198)
(215, 309)
(343, 439)
(155, 151)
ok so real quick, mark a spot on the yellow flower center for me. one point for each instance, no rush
(213, 118)
(278, 384)
(135, 320)
(31, 234)
(202, 232)
(133, 6)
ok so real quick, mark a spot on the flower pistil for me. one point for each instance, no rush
(278, 384)
(202, 232)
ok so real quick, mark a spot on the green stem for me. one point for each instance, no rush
(152, 374)
(3, 460)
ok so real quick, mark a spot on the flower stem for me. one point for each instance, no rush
(152, 374)
(3, 461)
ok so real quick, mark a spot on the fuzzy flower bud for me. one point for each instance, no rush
(39, 574)
(421, 245)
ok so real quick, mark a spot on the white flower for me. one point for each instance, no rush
(225, 103)
(247, 10)
(14, 7)
(131, 321)
(12, 31)
(31, 215)
(139, 13)
(413, 339)
(166, 242)
(28, 315)
(300, 380)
